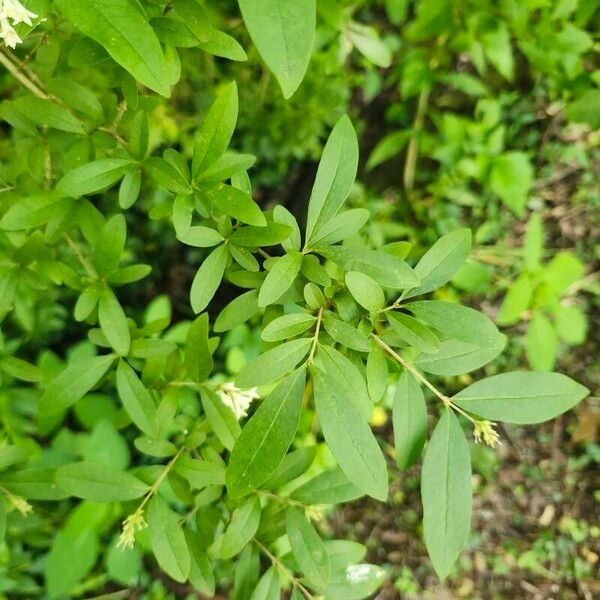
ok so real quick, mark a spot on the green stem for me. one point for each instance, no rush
(315, 338)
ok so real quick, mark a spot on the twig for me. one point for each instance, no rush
(315, 341)
(14, 71)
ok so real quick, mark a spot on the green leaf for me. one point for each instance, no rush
(280, 278)
(254, 237)
(73, 383)
(541, 343)
(366, 40)
(194, 15)
(110, 245)
(335, 176)
(511, 178)
(201, 572)
(308, 548)
(201, 237)
(274, 363)
(413, 332)
(376, 373)
(238, 311)
(285, 217)
(386, 269)
(439, 264)
(344, 376)
(49, 114)
(216, 130)
(269, 587)
(355, 582)
(208, 278)
(292, 466)
(93, 177)
(283, 32)
(344, 333)
(350, 439)
(200, 473)
(167, 175)
(410, 421)
(446, 493)
(136, 400)
(20, 369)
(198, 356)
(119, 26)
(32, 211)
(222, 44)
(220, 418)
(241, 529)
(266, 437)
(99, 483)
(521, 397)
(34, 483)
(341, 227)
(287, 326)
(237, 204)
(226, 166)
(365, 291)
(113, 322)
(328, 487)
(129, 190)
(168, 540)
(585, 109)
(516, 301)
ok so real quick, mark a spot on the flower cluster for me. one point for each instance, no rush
(20, 504)
(237, 399)
(13, 10)
(484, 431)
(131, 524)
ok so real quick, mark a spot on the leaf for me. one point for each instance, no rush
(49, 114)
(201, 572)
(280, 278)
(253, 237)
(376, 373)
(410, 421)
(328, 487)
(307, 547)
(541, 343)
(236, 203)
(521, 397)
(129, 190)
(355, 582)
(34, 483)
(344, 376)
(73, 383)
(201, 237)
(241, 529)
(226, 166)
(32, 211)
(194, 15)
(266, 437)
(168, 540)
(285, 217)
(20, 369)
(292, 466)
(120, 28)
(208, 278)
(335, 176)
(341, 227)
(366, 40)
(167, 175)
(136, 400)
(386, 269)
(283, 32)
(365, 291)
(109, 245)
(216, 130)
(287, 326)
(99, 483)
(388, 147)
(439, 264)
(446, 493)
(198, 356)
(221, 418)
(516, 301)
(413, 332)
(269, 587)
(238, 311)
(222, 44)
(273, 364)
(350, 439)
(200, 473)
(585, 109)
(511, 178)
(93, 177)
(113, 322)
(344, 333)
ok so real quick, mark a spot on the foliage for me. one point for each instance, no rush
(117, 409)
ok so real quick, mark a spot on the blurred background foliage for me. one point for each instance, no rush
(474, 113)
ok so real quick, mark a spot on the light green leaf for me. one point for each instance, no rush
(216, 130)
(521, 397)
(541, 343)
(208, 278)
(328, 487)
(413, 332)
(238, 311)
(439, 264)
(49, 114)
(168, 540)
(226, 166)
(93, 177)
(201, 571)
(200, 473)
(365, 291)
(167, 175)
(366, 40)
(292, 466)
(113, 322)
(266, 437)
(446, 493)
(341, 227)
(376, 373)
(516, 301)
(237, 204)
(254, 237)
(120, 27)
(222, 44)
(335, 176)
(283, 32)
(269, 587)
(350, 439)
(280, 278)
(73, 383)
(99, 483)
(355, 582)
(511, 178)
(194, 15)
(410, 421)
(287, 326)
(220, 418)
(307, 547)
(198, 356)
(344, 333)
(241, 529)
(136, 399)
(274, 363)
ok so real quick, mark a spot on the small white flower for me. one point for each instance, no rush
(14, 10)
(237, 399)
(485, 432)
(131, 524)
(20, 504)
(8, 34)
